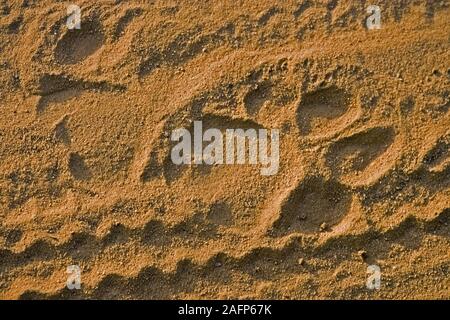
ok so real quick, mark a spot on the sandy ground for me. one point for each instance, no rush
(85, 171)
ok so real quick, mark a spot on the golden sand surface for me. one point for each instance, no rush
(86, 177)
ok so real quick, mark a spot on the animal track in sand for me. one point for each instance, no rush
(354, 158)
(140, 231)
(313, 206)
(438, 158)
(78, 167)
(325, 111)
(77, 45)
(59, 88)
(184, 47)
(61, 132)
(125, 20)
(171, 172)
(256, 97)
(223, 123)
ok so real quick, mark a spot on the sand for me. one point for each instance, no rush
(85, 171)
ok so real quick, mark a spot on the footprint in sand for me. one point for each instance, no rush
(325, 111)
(59, 88)
(77, 167)
(60, 131)
(172, 172)
(256, 97)
(363, 157)
(313, 206)
(438, 158)
(125, 20)
(77, 45)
